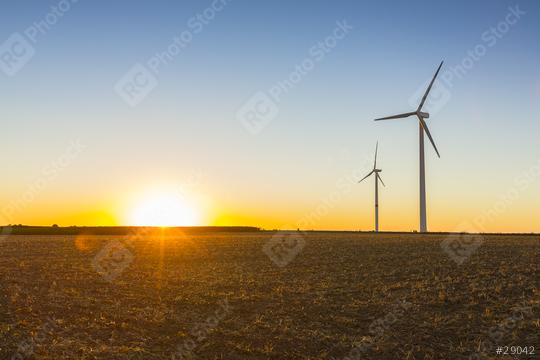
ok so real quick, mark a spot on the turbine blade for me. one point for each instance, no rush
(400, 116)
(424, 126)
(365, 177)
(379, 177)
(375, 163)
(429, 87)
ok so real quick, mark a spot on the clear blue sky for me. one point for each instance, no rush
(487, 132)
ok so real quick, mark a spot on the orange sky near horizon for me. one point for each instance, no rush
(344, 208)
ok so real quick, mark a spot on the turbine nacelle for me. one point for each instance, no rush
(421, 114)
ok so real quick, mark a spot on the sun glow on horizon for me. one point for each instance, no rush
(164, 208)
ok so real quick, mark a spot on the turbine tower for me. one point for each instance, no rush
(422, 128)
(377, 179)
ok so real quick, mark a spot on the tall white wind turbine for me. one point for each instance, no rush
(377, 179)
(422, 128)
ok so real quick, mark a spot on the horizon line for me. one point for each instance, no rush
(21, 229)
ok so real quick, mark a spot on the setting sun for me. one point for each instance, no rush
(164, 208)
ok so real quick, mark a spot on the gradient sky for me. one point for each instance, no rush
(304, 163)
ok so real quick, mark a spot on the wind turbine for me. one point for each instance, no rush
(377, 179)
(422, 128)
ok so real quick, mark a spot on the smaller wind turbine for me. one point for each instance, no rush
(377, 179)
